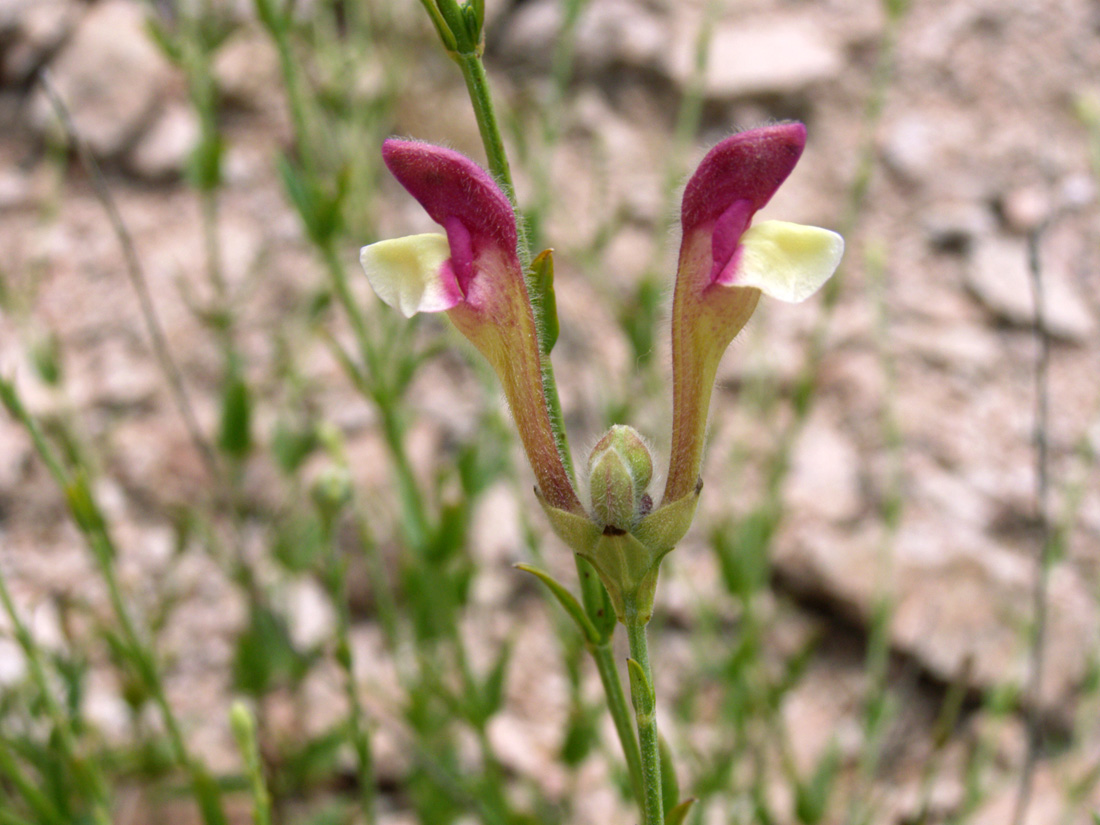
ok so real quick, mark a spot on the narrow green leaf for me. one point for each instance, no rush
(493, 689)
(82, 505)
(455, 21)
(812, 796)
(208, 795)
(235, 438)
(543, 270)
(641, 691)
(566, 600)
(274, 19)
(46, 356)
(440, 25)
(204, 168)
(678, 815)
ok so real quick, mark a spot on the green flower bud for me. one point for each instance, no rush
(332, 491)
(619, 471)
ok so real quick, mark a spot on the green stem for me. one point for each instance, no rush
(477, 85)
(87, 771)
(338, 592)
(44, 809)
(244, 729)
(620, 713)
(646, 716)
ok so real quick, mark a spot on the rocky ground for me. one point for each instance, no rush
(928, 381)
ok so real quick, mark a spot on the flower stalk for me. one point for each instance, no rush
(644, 698)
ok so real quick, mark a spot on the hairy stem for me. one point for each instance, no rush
(620, 713)
(646, 716)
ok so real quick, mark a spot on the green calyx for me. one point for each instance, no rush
(626, 562)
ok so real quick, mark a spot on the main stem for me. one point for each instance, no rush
(647, 728)
(477, 85)
(620, 714)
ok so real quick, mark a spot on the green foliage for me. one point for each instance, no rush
(812, 795)
(266, 657)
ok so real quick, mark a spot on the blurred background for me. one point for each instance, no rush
(267, 486)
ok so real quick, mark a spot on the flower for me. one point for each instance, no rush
(472, 273)
(725, 265)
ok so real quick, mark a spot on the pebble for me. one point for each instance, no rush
(165, 150)
(246, 70)
(1026, 209)
(774, 57)
(955, 224)
(998, 276)
(824, 478)
(30, 30)
(111, 77)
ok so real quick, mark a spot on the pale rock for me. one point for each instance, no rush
(912, 148)
(633, 252)
(15, 453)
(820, 711)
(13, 664)
(955, 224)
(519, 747)
(105, 708)
(824, 479)
(1048, 803)
(620, 33)
(19, 188)
(1077, 191)
(29, 31)
(117, 375)
(531, 32)
(998, 275)
(959, 604)
(165, 150)
(1026, 208)
(246, 71)
(970, 350)
(310, 614)
(496, 537)
(611, 33)
(780, 55)
(497, 528)
(110, 76)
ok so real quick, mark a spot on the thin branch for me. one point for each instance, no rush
(136, 274)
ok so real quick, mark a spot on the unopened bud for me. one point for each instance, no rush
(619, 471)
(332, 491)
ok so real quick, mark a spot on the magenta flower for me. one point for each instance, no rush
(725, 265)
(472, 273)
